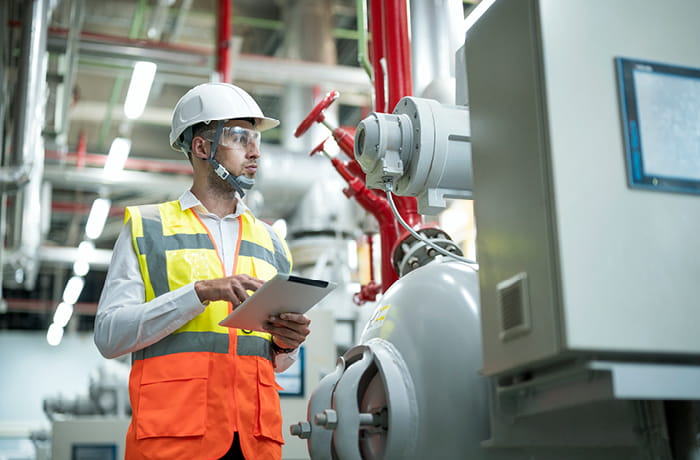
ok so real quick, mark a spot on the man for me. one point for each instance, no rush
(199, 390)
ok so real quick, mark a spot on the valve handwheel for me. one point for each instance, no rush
(316, 114)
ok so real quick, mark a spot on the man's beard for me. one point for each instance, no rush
(220, 186)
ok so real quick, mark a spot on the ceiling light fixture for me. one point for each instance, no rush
(116, 158)
(74, 287)
(97, 218)
(54, 334)
(139, 88)
(63, 313)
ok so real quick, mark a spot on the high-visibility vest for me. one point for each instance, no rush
(193, 389)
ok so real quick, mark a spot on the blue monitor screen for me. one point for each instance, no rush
(661, 117)
(94, 452)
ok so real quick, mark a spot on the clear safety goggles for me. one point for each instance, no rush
(235, 137)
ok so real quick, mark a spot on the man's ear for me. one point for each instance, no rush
(199, 148)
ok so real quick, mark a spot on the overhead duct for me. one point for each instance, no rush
(24, 219)
(29, 93)
(61, 75)
(435, 25)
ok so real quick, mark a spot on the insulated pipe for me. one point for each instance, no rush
(31, 78)
(223, 41)
(24, 164)
(435, 25)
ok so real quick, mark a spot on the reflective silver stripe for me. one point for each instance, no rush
(278, 259)
(154, 245)
(283, 265)
(183, 342)
(213, 342)
(253, 345)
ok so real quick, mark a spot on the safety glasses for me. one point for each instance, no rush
(235, 137)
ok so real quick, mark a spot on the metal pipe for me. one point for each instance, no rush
(64, 94)
(24, 165)
(362, 58)
(31, 77)
(223, 41)
(435, 25)
(136, 24)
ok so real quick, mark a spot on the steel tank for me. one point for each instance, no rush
(411, 388)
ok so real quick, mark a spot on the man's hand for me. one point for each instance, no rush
(231, 289)
(289, 330)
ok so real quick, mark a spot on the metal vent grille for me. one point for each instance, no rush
(514, 306)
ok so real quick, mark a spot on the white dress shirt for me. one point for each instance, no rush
(124, 323)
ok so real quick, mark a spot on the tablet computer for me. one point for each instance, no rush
(281, 294)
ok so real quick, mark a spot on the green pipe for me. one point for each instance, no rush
(273, 24)
(134, 31)
(362, 58)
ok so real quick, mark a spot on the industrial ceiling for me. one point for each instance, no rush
(286, 53)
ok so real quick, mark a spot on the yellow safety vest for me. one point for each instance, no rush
(194, 388)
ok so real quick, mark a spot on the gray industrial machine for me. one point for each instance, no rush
(577, 337)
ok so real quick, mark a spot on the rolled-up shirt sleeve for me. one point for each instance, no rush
(125, 322)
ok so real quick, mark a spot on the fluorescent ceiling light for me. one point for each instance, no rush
(81, 267)
(63, 313)
(118, 152)
(97, 218)
(139, 88)
(82, 262)
(54, 334)
(74, 287)
(475, 13)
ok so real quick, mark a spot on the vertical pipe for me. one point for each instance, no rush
(397, 49)
(31, 79)
(223, 41)
(435, 25)
(81, 151)
(134, 31)
(362, 37)
(376, 21)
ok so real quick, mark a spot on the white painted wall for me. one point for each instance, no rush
(31, 370)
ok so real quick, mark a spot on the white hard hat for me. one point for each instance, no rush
(214, 101)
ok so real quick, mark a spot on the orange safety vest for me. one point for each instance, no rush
(193, 389)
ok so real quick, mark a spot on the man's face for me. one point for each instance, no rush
(239, 148)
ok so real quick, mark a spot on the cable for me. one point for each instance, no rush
(389, 195)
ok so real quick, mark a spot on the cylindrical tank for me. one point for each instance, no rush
(411, 389)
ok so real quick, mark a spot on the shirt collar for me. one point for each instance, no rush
(189, 200)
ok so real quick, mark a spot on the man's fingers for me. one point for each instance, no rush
(298, 318)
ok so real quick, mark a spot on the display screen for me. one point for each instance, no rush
(661, 115)
(94, 452)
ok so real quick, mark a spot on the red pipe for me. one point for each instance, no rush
(397, 50)
(94, 159)
(375, 21)
(223, 41)
(81, 150)
(388, 24)
(379, 207)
